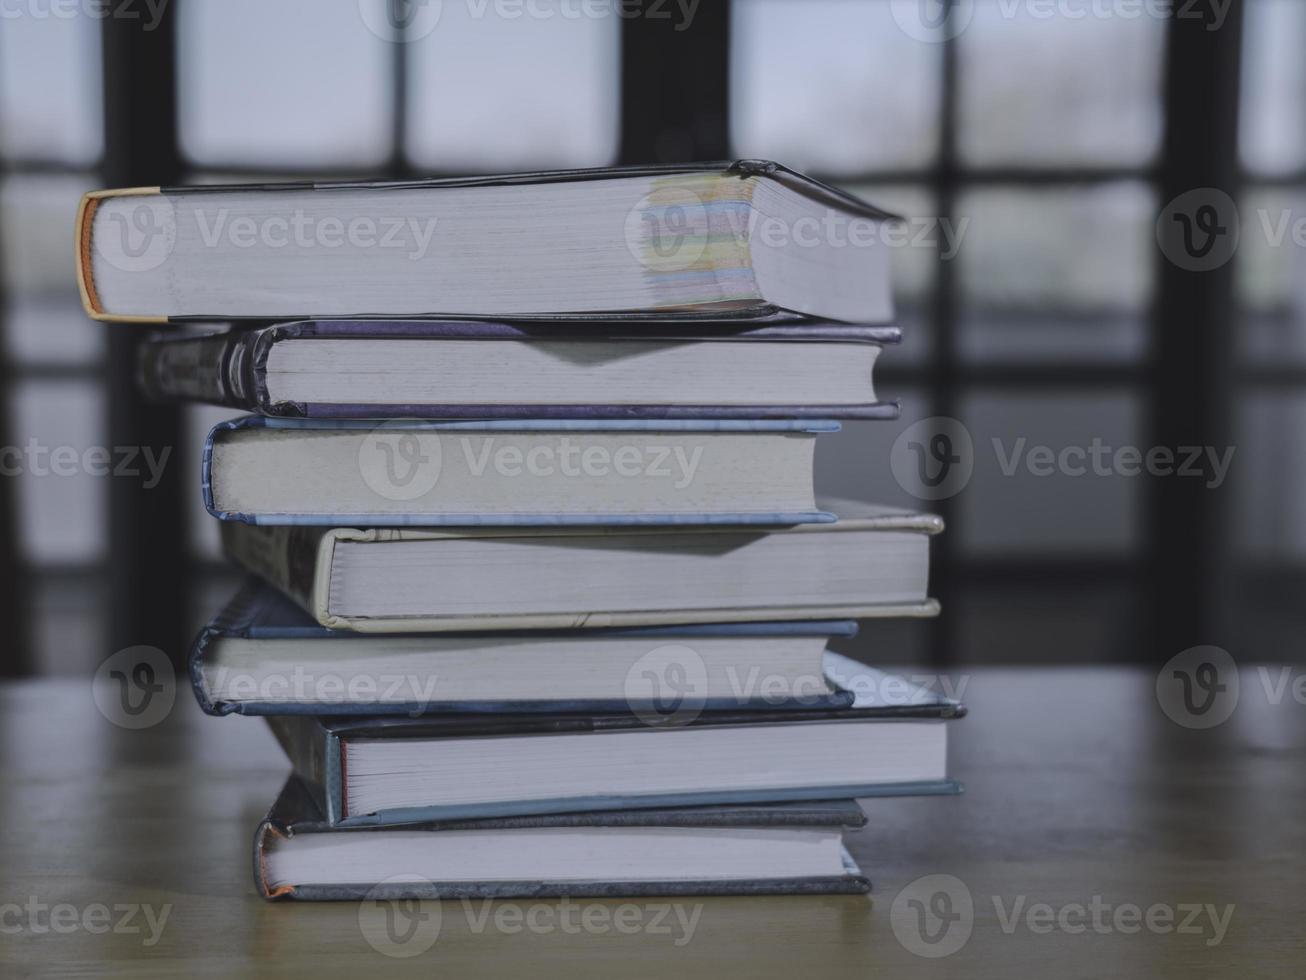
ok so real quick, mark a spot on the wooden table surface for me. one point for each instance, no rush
(1082, 796)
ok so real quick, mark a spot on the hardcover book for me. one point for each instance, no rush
(743, 239)
(442, 369)
(404, 473)
(264, 655)
(873, 562)
(891, 741)
(772, 849)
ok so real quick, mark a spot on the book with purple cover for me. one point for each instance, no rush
(452, 369)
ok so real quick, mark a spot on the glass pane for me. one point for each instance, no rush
(49, 330)
(211, 177)
(515, 86)
(62, 488)
(295, 83)
(1267, 616)
(831, 86)
(43, 318)
(1038, 485)
(1056, 274)
(890, 644)
(1022, 625)
(37, 215)
(1273, 139)
(853, 464)
(1271, 276)
(69, 628)
(50, 105)
(1039, 89)
(1270, 485)
(915, 251)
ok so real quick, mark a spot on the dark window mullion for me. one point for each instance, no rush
(399, 165)
(20, 658)
(943, 351)
(149, 587)
(1053, 377)
(1191, 401)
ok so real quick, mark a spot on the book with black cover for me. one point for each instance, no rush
(649, 845)
(460, 369)
(375, 772)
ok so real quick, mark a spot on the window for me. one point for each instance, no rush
(265, 91)
(1024, 148)
(54, 403)
(1026, 144)
(1269, 532)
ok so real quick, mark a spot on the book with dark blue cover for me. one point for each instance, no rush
(517, 473)
(295, 819)
(297, 677)
(386, 771)
(255, 370)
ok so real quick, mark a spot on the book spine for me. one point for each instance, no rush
(218, 369)
(195, 670)
(84, 232)
(310, 747)
(284, 557)
(847, 884)
(265, 830)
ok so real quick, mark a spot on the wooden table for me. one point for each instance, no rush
(1077, 786)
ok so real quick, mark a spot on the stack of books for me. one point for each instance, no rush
(541, 588)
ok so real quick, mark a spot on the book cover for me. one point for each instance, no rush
(446, 466)
(315, 747)
(295, 813)
(258, 611)
(230, 368)
(298, 561)
(714, 288)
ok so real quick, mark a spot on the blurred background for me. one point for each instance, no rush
(1034, 145)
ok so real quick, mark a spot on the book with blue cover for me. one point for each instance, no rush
(263, 655)
(407, 473)
(891, 741)
(460, 369)
(763, 849)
